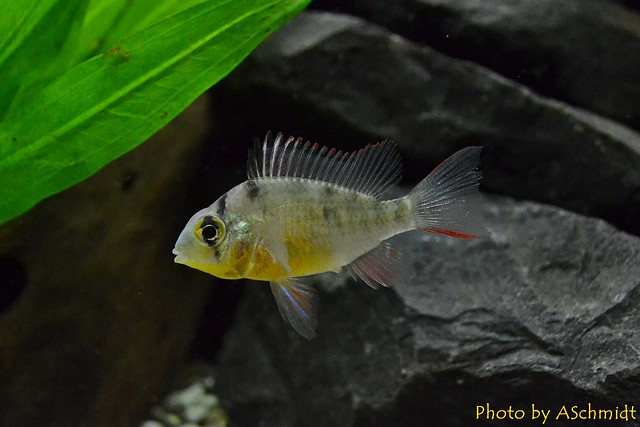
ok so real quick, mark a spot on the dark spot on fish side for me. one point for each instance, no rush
(14, 280)
(400, 212)
(164, 115)
(222, 205)
(253, 191)
(326, 213)
(379, 215)
(329, 191)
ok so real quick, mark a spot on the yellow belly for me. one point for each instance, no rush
(303, 259)
(306, 258)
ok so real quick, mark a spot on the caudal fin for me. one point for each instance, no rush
(447, 201)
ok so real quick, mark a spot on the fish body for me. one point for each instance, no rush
(306, 210)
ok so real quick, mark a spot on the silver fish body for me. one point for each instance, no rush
(312, 226)
(306, 210)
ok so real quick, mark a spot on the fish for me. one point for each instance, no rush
(306, 209)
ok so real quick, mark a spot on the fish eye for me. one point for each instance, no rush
(210, 230)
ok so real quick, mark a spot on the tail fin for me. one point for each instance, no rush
(446, 201)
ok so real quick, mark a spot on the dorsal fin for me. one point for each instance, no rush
(370, 170)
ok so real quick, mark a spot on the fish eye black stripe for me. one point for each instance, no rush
(329, 190)
(222, 205)
(208, 220)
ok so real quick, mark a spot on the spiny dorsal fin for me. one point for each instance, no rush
(370, 170)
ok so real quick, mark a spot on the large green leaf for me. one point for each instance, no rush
(109, 104)
(107, 21)
(18, 21)
(39, 48)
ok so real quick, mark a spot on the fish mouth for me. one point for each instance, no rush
(177, 259)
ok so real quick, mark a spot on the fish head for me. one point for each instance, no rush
(209, 242)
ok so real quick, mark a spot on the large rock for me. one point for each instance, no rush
(340, 81)
(94, 314)
(584, 52)
(544, 312)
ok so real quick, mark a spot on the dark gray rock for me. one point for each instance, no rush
(544, 312)
(340, 81)
(99, 316)
(584, 52)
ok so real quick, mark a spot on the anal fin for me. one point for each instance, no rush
(380, 266)
(297, 305)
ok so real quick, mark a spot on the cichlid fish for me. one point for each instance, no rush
(306, 210)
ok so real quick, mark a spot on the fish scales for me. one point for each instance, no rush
(307, 209)
(323, 226)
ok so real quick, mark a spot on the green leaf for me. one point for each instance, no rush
(17, 21)
(108, 105)
(34, 50)
(107, 21)
(101, 16)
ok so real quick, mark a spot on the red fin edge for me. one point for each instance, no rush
(449, 233)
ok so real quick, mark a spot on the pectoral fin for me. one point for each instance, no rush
(297, 305)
